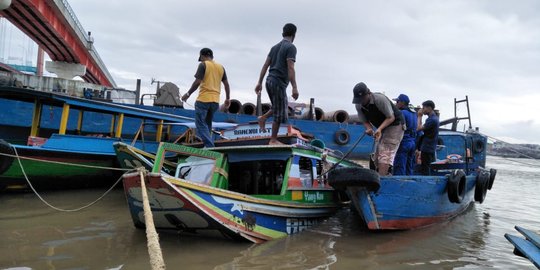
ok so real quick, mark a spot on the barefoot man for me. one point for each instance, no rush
(280, 63)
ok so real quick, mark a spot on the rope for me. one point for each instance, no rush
(62, 163)
(512, 149)
(52, 206)
(154, 250)
(343, 157)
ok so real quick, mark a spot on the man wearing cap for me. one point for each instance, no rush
(280, 65)
(405, 156)
(430, 128)
(377, 110)
(209, 77)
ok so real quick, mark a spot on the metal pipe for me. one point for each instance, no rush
(339, 116)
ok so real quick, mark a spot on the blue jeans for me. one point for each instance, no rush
(204, 113)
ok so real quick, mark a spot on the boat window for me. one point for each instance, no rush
(196, 169)
(257, 177)
(306, 171)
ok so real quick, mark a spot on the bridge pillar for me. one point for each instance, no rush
(65, 70)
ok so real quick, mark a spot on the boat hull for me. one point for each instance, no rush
(409, 202)
(47, 168)
(192, 207)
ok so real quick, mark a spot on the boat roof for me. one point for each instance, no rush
(58, 99)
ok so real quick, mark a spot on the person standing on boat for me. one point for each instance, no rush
(377, 110)
(280, 66)
(209, 77)
(405, 156)
(428, 143)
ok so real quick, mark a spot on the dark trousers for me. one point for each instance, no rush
(426, 159)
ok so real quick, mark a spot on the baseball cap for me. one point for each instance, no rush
(205, 52)
(403, 98)
(359, 90)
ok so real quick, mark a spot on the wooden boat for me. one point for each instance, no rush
(69, 152)
(528, 247)
(408, 202)
(252, 192)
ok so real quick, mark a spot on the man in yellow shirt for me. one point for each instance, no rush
(209, 77)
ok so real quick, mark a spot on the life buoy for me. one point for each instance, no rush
(5, 161)
(481, 186)
(456, 186)
(342, 137)
(492, 174)
(478, 145)
(354, 176)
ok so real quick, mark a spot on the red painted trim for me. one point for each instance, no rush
(411, 223)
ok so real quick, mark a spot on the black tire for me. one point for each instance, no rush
(481, 186)
(354, 176)
(479, 145)
(342, 137)
(5, 161)
(456, 186)
(492, 174)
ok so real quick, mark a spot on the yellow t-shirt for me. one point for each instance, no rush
(210, 87)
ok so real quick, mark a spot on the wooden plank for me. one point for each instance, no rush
(530, 235)
(528, 249)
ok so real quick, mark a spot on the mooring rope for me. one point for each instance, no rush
(63, 163)
(52, 206)
(154, 250)
(512, 148)
(343, 157)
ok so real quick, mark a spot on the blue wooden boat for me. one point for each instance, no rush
(50, 145)
(243, 191)
(528, 247)
(408, 202)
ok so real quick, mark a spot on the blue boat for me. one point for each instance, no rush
(67, 151)
(528, 247)
(458, 178)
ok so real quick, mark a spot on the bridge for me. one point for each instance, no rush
(52, 24)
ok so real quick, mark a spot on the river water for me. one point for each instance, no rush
(33, 236)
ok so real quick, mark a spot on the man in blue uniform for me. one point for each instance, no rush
(405, 156)
(430, 128)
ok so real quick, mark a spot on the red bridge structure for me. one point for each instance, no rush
(52, 24)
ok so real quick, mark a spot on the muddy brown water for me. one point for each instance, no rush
(33, 236)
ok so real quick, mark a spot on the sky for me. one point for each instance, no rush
(440, 50)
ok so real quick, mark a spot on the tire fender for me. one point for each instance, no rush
(343, 177)
(481, 186)
(492, 174)
(342, 137)
(455, 186)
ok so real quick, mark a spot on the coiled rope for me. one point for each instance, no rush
(64, 163)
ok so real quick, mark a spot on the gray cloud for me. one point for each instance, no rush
(440, 50)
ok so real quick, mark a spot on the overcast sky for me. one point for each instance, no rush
(440, 50)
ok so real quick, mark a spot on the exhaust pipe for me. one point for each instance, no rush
(353, 119)
(235, 107)
(339, 116)
(248, 108)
